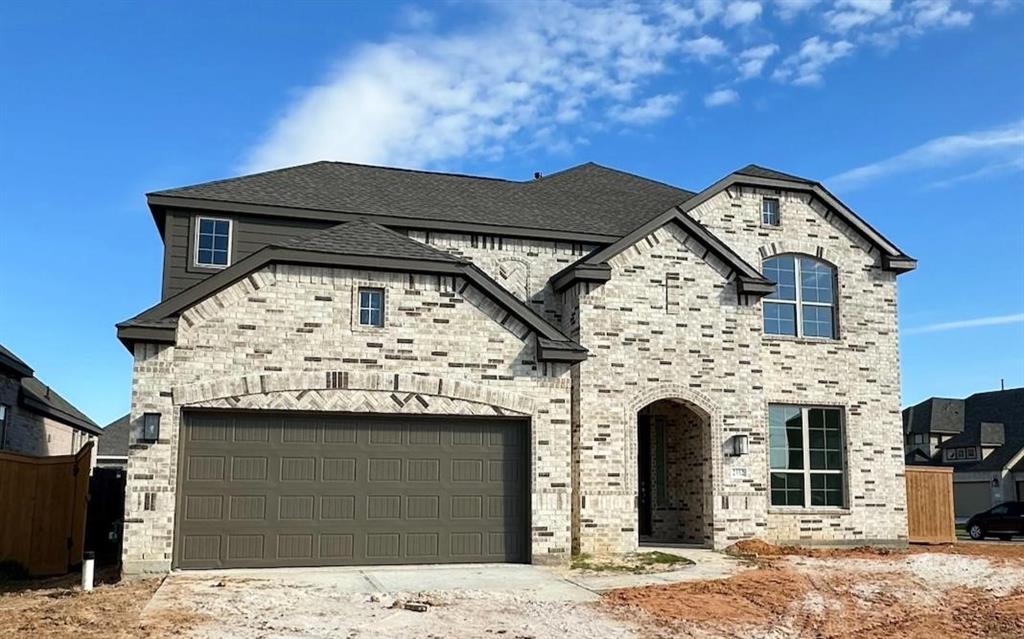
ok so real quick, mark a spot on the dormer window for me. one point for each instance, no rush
(371, 307)
(770, 211)
(213, 242)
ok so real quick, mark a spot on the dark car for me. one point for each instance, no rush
(1002, 521)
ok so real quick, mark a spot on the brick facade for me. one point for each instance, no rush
(668, 325)
(30, 433)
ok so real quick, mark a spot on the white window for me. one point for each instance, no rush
(213, 242)
(804, 300)
(806, 456)
(371, 307)
(770, 211)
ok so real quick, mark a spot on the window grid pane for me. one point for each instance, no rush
(779, 318)
(782, 271)
(812, 302)
(212, 242)
(371, 307)
(794, 431)
(770, 211)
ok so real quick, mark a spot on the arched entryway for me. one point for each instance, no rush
(673, 473)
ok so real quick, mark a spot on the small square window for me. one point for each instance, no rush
(770, 211)
(213, 242)
(371, 307)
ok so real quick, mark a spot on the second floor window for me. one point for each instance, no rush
(803, 303)
(213, 242)
(371, 307)
(770, 211)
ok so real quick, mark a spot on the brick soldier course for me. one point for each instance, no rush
(578, 301)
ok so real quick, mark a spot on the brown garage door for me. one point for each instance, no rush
(258, 489)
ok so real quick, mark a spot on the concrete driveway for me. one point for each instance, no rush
(462, 601)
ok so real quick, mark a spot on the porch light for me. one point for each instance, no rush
(995, 482)
(740, 445)
(150, 427)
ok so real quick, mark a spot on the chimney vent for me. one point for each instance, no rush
(537, 175)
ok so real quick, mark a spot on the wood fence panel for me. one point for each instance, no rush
(930, 518)
(43, 500)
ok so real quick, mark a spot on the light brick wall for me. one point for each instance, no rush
(281, 329)
(30, 433)
(859, 372)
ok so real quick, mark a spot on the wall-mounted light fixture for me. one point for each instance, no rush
(995, 482)
(150, 427)
(740, 445)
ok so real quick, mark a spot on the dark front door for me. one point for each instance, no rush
(644, 487)
(263, 490)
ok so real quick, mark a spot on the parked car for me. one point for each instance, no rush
(1002, 521)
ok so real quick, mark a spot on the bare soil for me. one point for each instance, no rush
(920, 593)
(56, 609)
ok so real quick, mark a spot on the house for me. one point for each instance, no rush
(981, 437)
(112, 448)
(34, 419)
(354, 364)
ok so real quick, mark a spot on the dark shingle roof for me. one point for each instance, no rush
(588, 198)
(1004, 407)
(366, 238)
(13, 363)
(44, 399)
(935, 415)
(114, 440)
(754, 170)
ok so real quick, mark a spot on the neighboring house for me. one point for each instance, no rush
(112, 450)
(981, 437)
(34, 419)
(359, 365)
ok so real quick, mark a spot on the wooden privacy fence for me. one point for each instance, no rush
(930, 518)
(42, 510)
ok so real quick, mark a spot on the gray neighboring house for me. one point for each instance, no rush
(34, 419)
(353, 364)
(980, 437)
(112, 449)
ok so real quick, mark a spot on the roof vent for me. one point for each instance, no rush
(537, 175)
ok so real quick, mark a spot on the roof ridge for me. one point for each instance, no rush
(425, 171)
(641, 177)
(300, 242)
(761, 167)
(236, 177)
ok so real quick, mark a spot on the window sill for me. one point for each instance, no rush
(814, 510)
(205, 268)
(770, 227)
(800, 340)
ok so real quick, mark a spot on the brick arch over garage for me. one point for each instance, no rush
(354, 391)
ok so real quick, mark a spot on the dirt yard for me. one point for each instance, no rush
(965, 590)
(56, 609)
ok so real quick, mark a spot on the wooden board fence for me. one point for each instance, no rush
(930, 518)
(42, 510)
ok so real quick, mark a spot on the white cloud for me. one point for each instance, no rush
(854, 13)
(721, 97)
(708, 9)
(995, 320)
(931, 13)
(654, 108)
(990, 145)
(751, 61)
(789, 9)
(423, 99)
(989, 170)
(741, 12)
(416, 18)
(805, 66)
(705, 47)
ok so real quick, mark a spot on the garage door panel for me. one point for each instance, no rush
(306, 490)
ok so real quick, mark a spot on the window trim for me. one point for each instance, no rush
(197, 223)
(359, 306)
(778, 212)
(5, 417)
(807, 471)
(799, 301)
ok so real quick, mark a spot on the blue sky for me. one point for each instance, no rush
(912, 112)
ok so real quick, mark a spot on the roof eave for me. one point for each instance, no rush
(36, 405)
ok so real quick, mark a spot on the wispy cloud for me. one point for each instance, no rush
(654, 108)
(994, 146)
(991, 170)
(806, 65)
(426, 98)
(995, 320)
(721, 97)
(531, 75)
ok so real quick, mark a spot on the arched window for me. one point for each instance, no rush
(804, 301)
